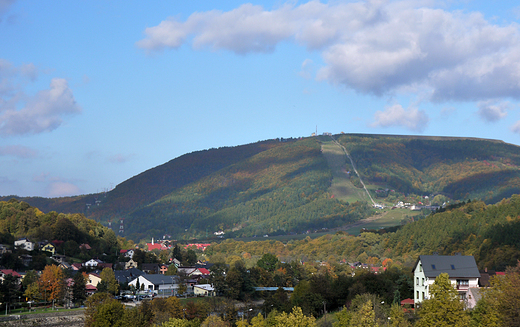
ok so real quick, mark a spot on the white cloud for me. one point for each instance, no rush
(516, 127)
(42, 113)
(18, 151)
(58, 189)
(374, 47)
(306, 71)
(120, 158)
(492, 111)
(395, 115)
(4, 7)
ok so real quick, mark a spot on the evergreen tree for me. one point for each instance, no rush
(79, 293)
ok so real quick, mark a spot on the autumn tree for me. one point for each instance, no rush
(295, 319)
(102, 310)
(52, 283)
(109, 279)
(444, 308)
(500, 304)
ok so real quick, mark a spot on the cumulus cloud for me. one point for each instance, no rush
(373, 47)
(395, 115)
(18, 151)
(492, 111)
(42, 112)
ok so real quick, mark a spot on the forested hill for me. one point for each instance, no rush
(282, 186)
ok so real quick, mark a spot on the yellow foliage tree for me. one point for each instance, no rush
(51, 283)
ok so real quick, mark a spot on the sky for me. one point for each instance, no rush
(95, 92)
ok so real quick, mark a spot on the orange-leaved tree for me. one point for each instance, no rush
(51, 283)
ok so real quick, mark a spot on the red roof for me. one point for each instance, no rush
(407, 301)
(10, 272)
(90, 287)
(204, 271)
(123, 251)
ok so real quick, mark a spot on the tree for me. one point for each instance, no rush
(102, 310)
(79, 293)
(32, 292)
(176, 322)
(9, 289)
(295, 319)
(268, 262)
(444, 308)
(52, 283)
(214, 321)
(107, 276)
(500, 304)
(397, 317)
(172, 270)
(364, 316)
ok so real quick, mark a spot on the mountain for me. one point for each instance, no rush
(291, 185)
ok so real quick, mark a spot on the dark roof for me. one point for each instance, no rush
(158, 279)
(126, 276)
(463, 266)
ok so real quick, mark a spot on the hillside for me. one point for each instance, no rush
(488, 232)
(292, 185)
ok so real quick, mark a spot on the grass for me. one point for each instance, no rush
(341, 186)
(46, 309)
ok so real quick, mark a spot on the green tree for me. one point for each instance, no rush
(176, 322)
(9, 290)
(214, 321)
(397, 317)
(268, 262)
(344, 316)
(109, 278)
(103, 311)
(295, 319)
(444, 308)
(32, 292)
(172, 270)
(500, 304)
(79, 293)
(364, 316)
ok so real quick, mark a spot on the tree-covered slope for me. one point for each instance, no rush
(282, 189)
(285, 185)
(461, 168)
(488, 232)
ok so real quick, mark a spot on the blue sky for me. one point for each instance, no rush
(95, 92)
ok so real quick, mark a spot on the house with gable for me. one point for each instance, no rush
(24, 243)
(49, 247)
(462, 270)
(157, 283)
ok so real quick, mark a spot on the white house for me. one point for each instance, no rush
(157, 283)
(462, 270)
(92, 263)
(203, 290)
(24, 243)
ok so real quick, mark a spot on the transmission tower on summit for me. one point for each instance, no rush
(121, 226)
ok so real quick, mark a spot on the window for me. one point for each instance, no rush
(452, 267)
(417, 281)
(423, 295)
(433, 267)
(462, 282)
(417, 295)
(420, 267)
(422, 282)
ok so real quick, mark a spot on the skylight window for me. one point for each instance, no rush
(433, 267)
(452, 267)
